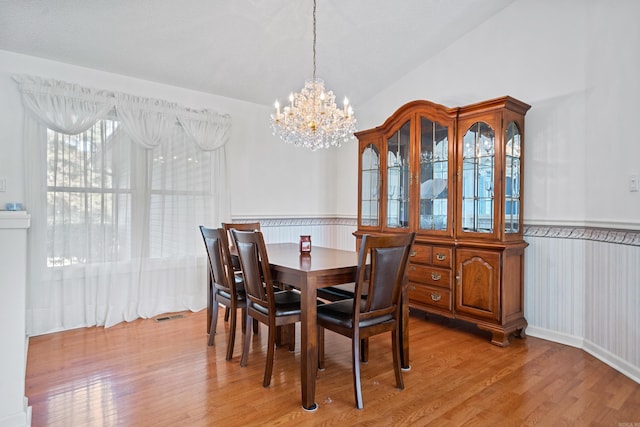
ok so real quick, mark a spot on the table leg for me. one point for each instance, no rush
(308, 345)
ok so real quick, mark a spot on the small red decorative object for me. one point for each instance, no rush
(305, 244)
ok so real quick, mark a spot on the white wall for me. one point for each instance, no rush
(14, 410)
(577, 64)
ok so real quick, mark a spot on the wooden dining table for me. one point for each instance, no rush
(322, 267)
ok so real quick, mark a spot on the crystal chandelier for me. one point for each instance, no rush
(312, 119)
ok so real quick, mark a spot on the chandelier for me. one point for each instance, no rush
(312, 119)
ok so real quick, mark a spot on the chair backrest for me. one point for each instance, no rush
(256, 271)
(242, 226)
(383, 276)
(220, 267)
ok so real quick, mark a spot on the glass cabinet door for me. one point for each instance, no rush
(370, 187)
(478, 180)
(512, 179)
(433, 175)
(398, 172)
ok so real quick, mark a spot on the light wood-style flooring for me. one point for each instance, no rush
(148, 373)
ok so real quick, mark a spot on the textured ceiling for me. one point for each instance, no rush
(253, 50)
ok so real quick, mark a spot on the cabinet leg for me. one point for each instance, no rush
(520, 333)
(501, 339)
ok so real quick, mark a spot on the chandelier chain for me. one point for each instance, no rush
(314, 39)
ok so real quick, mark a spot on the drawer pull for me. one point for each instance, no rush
(436, 276)
(412, 287)
(441, 257)
(412, 268)
(436, 296)
(413, 253)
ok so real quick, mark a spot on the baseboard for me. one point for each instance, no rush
(612, 360)
(20, 419)
(596, 351)
(559, 337)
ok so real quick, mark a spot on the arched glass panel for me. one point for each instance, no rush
(434, 162)
(398, 177)
(370, 202)
(513, 173)
(478, 166)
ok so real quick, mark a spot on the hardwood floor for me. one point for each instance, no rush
(149, 373)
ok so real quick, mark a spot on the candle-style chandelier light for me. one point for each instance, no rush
(312, 119)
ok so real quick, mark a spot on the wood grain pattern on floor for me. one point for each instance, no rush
(148, 373)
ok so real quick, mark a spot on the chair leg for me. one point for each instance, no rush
(256, 327)
(244, 320)
(291, 331)
(320, 348)
(245, 347)
(355, 356)
(214, 321)
(226, 314)
(271, 348)
(395, 343)
(364, 350)
(232, 334)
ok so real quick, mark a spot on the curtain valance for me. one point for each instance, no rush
(71, 109)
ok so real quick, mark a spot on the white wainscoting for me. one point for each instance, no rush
(582, 288)
(582, 285)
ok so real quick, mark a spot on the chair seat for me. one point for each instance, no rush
(240, 294)
(341, 313)
(341, 292)
(337, 292)
(287, 303)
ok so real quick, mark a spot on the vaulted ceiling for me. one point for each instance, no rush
(252, 50)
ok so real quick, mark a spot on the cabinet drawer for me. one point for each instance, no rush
(421, 254)
(441, 256)
(430, 295)
(431, 275)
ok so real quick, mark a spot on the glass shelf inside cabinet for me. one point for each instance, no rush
(478, 180)
(398, 178)
(370, 202)
(434, 171)
(512, 179)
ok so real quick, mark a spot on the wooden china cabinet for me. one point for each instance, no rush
(453, 175)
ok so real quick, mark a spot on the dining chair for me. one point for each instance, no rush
(227, 288)
(273, 308)
(360, 318)
(243, 226)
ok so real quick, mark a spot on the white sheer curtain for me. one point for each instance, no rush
(116, 186)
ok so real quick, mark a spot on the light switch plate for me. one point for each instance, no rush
(633, 182)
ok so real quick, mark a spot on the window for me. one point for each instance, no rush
(84, 196)
(103, 191)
